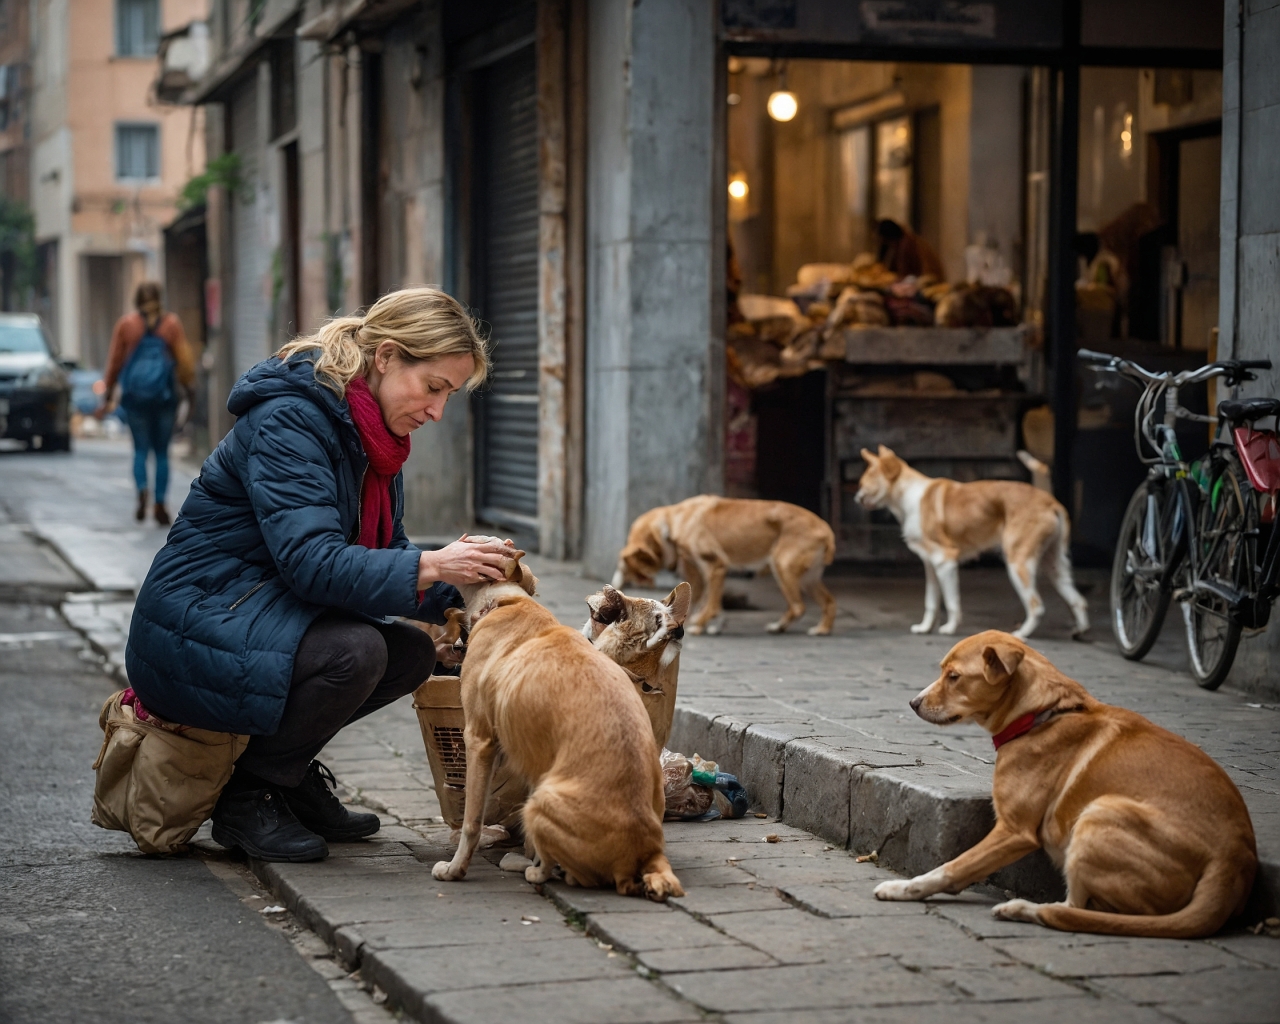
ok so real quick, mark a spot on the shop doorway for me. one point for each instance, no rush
(878, 223)
(505, 283)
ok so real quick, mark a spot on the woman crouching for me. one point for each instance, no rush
(271, 609)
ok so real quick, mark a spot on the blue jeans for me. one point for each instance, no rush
(151, 427)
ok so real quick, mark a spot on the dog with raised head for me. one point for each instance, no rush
(703, 538)
(946, 523)
(643, 635)
(570, 723)
(1152, 836)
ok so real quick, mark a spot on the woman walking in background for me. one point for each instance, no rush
(147, 347)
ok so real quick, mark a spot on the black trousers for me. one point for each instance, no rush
(344, 670)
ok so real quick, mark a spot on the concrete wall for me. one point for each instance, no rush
(438, 475)
(654, 361)
(1250, 255)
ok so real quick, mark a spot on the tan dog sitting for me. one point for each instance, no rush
(643, 636)
(1153, 837)
(704, 537)
(570, 722)
(946, 523)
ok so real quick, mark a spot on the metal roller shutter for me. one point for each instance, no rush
(507, 265)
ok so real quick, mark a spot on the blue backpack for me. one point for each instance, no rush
(147, 378)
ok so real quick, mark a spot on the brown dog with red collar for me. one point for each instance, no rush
(1153, 837)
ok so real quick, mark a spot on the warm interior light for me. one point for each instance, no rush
(783, 105)
(738, 188)
(1126, 136)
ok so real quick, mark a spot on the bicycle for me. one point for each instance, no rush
(1191, 533)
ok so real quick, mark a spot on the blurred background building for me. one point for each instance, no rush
(107, 162)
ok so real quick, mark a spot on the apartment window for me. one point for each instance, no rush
(137, 28)
(137, 151)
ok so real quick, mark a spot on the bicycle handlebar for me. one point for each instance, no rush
(1237, 369)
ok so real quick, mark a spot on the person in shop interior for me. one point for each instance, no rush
(271, 609)
(149, 358)
(905, 253)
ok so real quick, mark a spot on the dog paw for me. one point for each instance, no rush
(445, 872)
(949, 628)
(714, 629)
(818, 631)
(1017, 910)
(536, 874)
(660, 886)
(776, 627)
(897, 889)
(694, 630)
(922, 627)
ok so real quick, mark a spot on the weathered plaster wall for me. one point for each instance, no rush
(1250, 267)
(438, 474)
(654, 371)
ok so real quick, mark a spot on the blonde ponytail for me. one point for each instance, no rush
(423, 323)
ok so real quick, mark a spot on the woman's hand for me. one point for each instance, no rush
(464, 561)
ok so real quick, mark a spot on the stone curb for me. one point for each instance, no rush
(858, 804)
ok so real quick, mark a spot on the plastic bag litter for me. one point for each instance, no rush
(697, 791)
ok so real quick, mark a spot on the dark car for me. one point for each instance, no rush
(35, 392)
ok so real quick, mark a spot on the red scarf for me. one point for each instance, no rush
(386, 454)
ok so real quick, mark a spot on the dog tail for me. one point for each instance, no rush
(1221, 892)
(828, 547)
(1040, 473)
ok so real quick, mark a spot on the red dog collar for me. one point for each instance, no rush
(1026, 723)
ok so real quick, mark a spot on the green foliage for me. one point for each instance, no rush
(221, 170)
(17, 240)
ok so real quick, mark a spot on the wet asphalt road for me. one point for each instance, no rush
(90, 930)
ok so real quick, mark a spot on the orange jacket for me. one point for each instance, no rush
(128, 332)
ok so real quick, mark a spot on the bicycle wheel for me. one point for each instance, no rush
(1226, 534)
(1139, 600)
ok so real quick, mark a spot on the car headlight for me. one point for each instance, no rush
(47, 375)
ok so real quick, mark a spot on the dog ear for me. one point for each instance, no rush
(511, 565)
(640, 555)
(890, 464)
(608, 606)
(528, 581)
(678, 601)
(1001, 660)
(871, 457)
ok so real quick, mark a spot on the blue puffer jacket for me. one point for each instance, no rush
(264, 543)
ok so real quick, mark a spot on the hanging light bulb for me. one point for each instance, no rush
(738, 188)
(783, 104)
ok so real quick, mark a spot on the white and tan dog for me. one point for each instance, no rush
(1153, 837)
(644, 636)
(946, 523)
(570, 722)
(703, 538)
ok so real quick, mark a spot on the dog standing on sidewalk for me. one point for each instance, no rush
(1153, 837)
(946, 523)
(570, 722)
(703, 538)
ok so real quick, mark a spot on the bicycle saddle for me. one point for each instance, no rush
(1249, 409)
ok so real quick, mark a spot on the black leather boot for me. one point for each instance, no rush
(260, 823)
(140, 513)
(314, 804)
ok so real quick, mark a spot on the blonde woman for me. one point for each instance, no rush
(270, 610)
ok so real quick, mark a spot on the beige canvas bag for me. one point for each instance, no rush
(158, 781)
